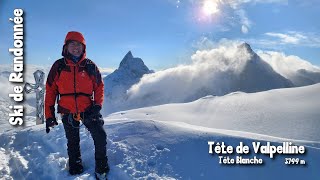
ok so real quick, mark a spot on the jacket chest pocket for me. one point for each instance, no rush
(84, 82)
(65, 81)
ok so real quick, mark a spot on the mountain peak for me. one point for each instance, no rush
(127, 60)
(130, 71)
(247, 47)
(128, 55)
(134, 64)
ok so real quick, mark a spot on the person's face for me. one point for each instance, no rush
(75, 48)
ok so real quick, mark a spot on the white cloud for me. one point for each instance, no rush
(280, 40)
(237, 3)
(239, 10)
(289, 38)
(204, 43)
(244, 29)
(209, 72)
(286, 65)
(246, 23)
(7, 87)
(213, 70)
(106, 70)
(297, 70)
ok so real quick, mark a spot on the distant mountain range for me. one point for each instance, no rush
(254, 75)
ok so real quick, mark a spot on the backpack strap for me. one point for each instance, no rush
(90, 67)
(62, 65)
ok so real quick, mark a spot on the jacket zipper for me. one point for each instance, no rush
(75, 92)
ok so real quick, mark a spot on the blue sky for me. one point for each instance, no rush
(162, 32)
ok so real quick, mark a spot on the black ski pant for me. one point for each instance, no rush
(98, 134)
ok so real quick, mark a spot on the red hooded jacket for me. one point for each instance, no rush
(79, 84)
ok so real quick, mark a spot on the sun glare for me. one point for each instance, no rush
(210, 7)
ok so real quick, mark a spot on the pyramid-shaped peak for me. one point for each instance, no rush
(127, 59)
(128, 55)
(133, 63)
(246, 46)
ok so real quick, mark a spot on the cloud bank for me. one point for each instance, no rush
(215, 71)
(286, 64)
(294, 68)
(294, 38)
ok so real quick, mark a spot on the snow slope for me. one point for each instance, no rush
(289, 113)
(4, 115)
(145, 149)
(170, 141)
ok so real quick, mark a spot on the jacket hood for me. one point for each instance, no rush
(74, 36)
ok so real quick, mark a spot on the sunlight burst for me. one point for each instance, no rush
(210, 7)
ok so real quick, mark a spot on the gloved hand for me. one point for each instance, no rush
(50, 122)
(93, 112)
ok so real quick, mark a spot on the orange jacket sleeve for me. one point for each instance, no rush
(98, 88)
(51, 91)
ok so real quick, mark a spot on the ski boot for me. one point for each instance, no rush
(76, 168)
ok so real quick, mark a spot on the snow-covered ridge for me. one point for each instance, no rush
(288, 113)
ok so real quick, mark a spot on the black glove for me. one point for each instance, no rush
(93, 112)
(50, 122)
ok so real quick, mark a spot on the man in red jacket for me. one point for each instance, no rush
(77, 83)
